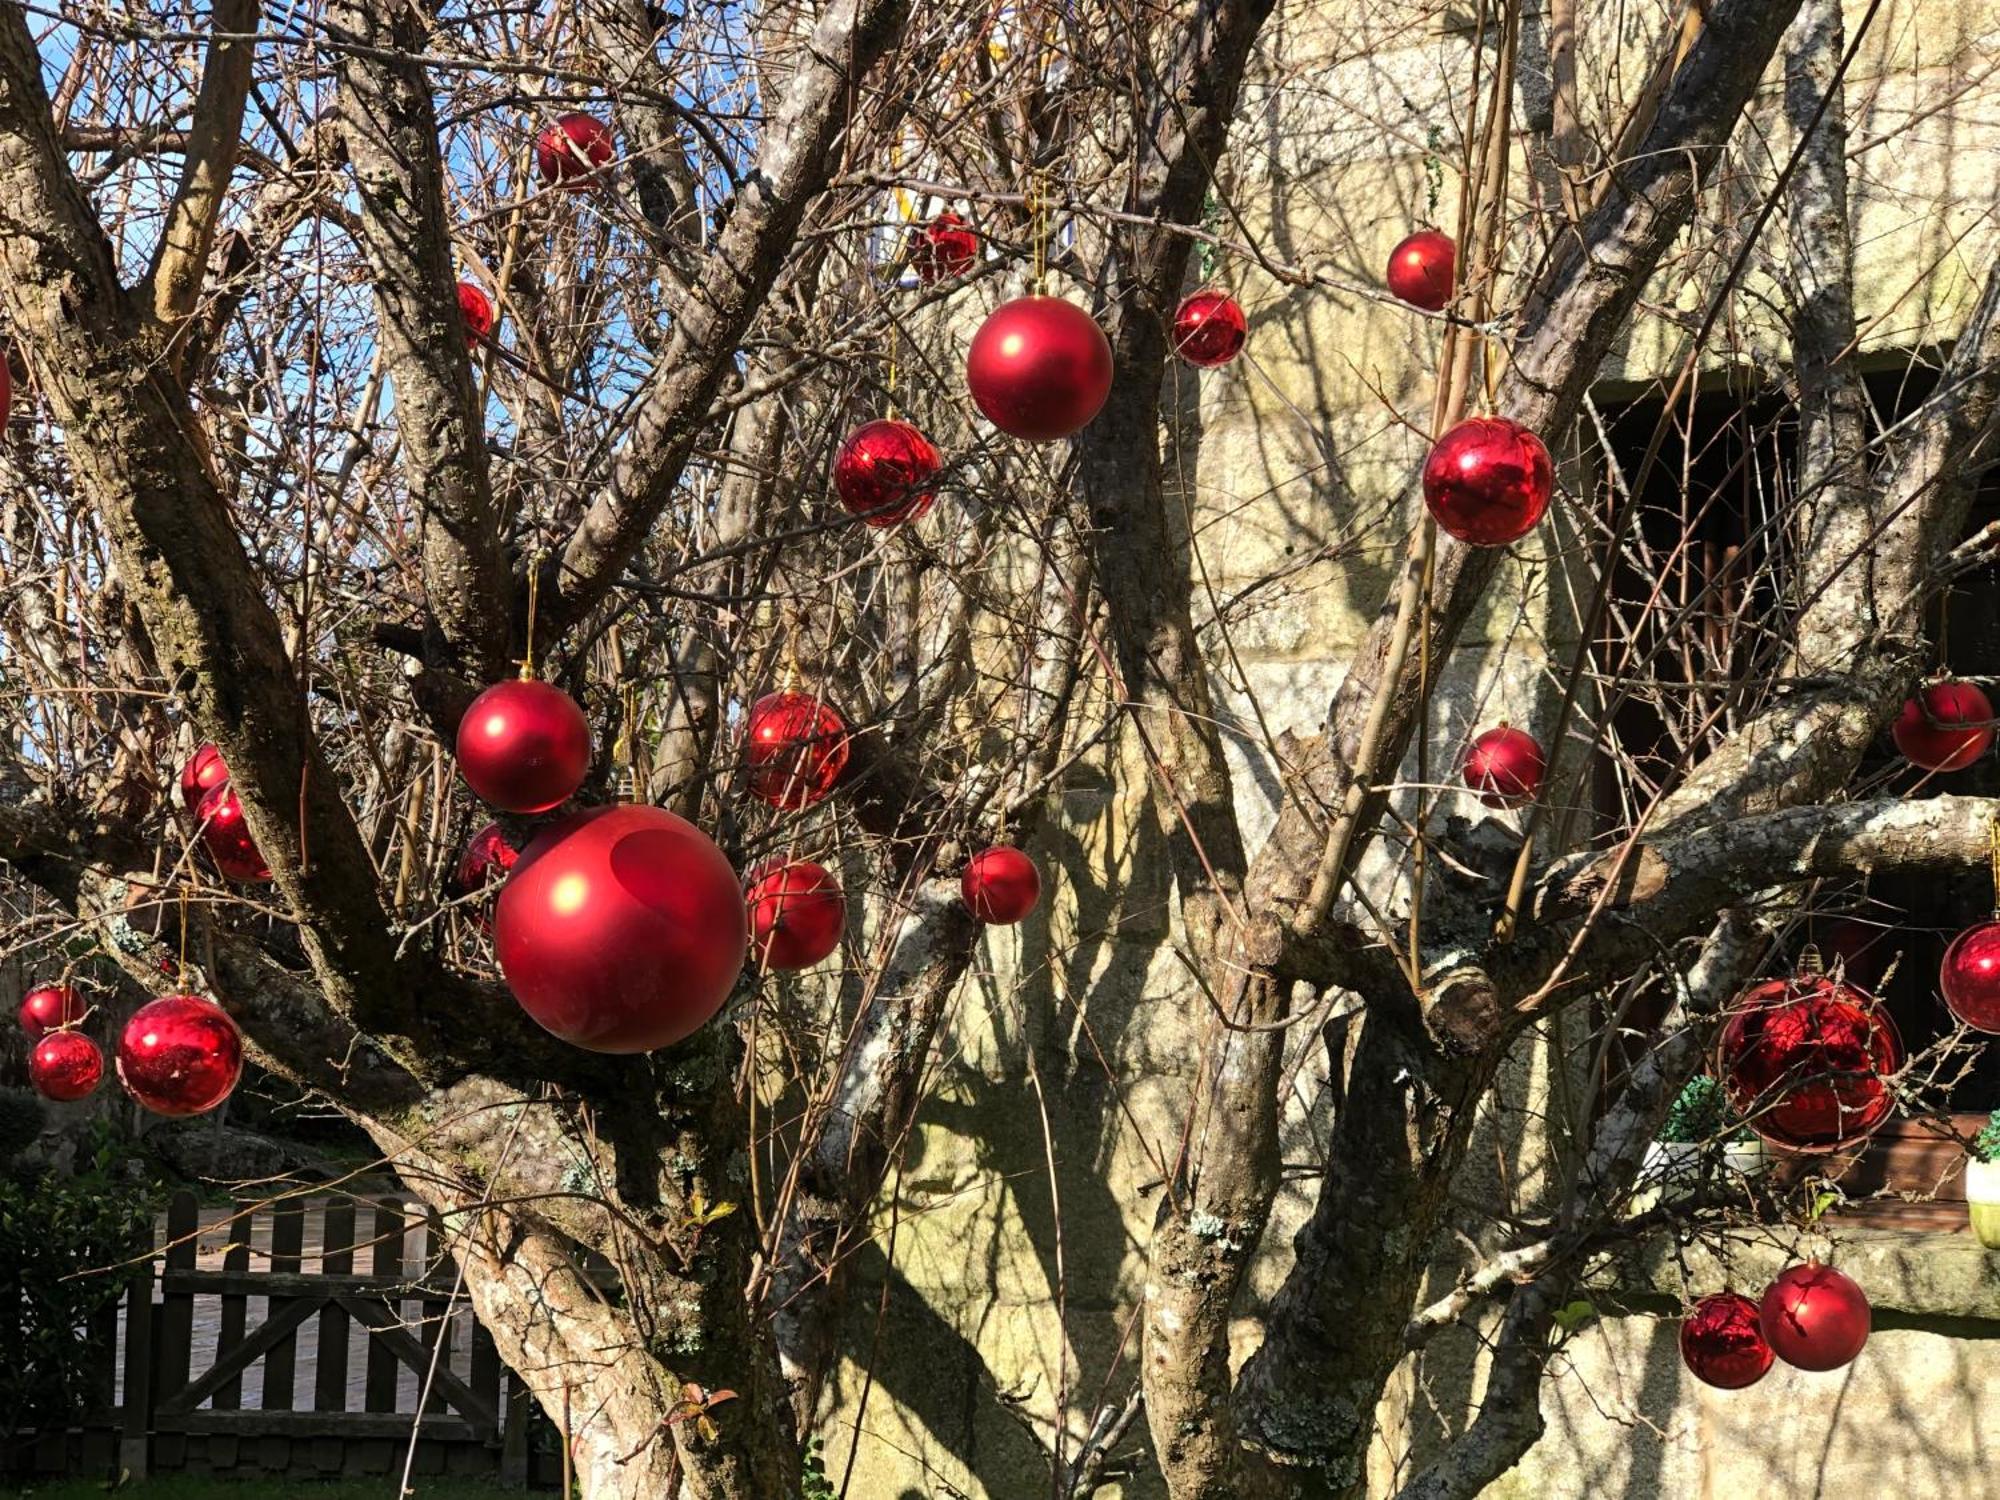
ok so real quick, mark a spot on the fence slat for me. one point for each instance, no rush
(336, 1259)
(485, 1370)
(379, 1391)
(227, 1393)
(437, 1325)
(175, 1346)
(288, 1234)
(134, 1448)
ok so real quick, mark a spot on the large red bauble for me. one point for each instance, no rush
(180, 1055)
(204, 771)
(49, 1006)
(1946, 727)
(883, 472)
(1722, 1343)
(1807, 1062)
(227, 838)
(65, 1065)
(796, 914)
(1488, 481)
(1420, 269)
(1814, 1317)
(1039, 368)
(1209, 328)
(622, 929)
(524, 746)
(796, 748)
(943, 248)
(569, 153)
(1000, 885)
(1970, 977)
(477, 310)
(1505, 766)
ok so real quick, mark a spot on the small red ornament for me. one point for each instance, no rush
(180, 1055)
(1039, 368)
(1722, 1343)
(1000, 885)
(796, 914)
(1946, 727)
(1488, 481)
(1970, 977)
(1420, 269)
(1209, 329)
(570, 152)
(1814, 1317)
(796, 748)
(1807, 1062)
(1505, 766)
(227, 839)
(524, 746)
(477, 310)
(883, 472)
(50, 1006)
(65, 1065)
(204, 771)
(489, 855)
(943, 248)
(622, 929)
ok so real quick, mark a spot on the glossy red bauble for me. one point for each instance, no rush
(1723, 1344)
(1039, 368)
(1488, 481)
(227, 838)
(796, 914)
(1815, 1318)
(1505, 766)
(204, 771)
(489, 855)
(1420, 269)
(65, 1065)
(943, 248)
(796, 747)
(1000, 885)
(884, 470)
(1209, 329)
(180, 1055)
(1807, 1062)
(1946, 727)
(49, 1006)
(622, 929)
(569, 153)
(524, 746)
(1970, 977)
(477, 310)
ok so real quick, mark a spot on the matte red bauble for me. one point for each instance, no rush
(1420, 269)
(796, 914)
(1722, 1343)
(477, 310)
(1815, 1318)
(1946, 727)
(884, 470)
(204, 771)
(1505, 766)
(524, 746)
(1000, 886)
(180, 1055)
(49, 1006)
(65, 1065)
(1808, 1062)
(943, 248)
(622, 929)
(796, 748)
(1209, 329)
(1488, 481)
(1970, 977)
(1039, 368)
(569, 152)
(227, 838)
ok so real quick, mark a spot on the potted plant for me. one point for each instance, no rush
(1982, 1183)
(1672, 1167)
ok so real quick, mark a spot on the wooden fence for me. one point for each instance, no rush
(255, 1344)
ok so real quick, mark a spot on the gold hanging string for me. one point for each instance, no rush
(534, 598)
(183, 975)
(626, 751)
(889, 376)
(1993, 840)
(1038, 224)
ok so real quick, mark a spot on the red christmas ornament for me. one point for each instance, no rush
(65, 1065)
(1807, 1062)
(489, 855)
(1420, 269)
(477, 310)
(1970, 977)
(180, 1055)
(883, 472)
(622, 929)
(570, 152)
(796, 914)
(50, 1006)
(1946, 727)
(1209, 329)
(1039, 368)
(1505, 766)
(1000, 886)
(796, 748)
(204, 772)
(524, 746)
(1488, 481)
(227, 839)
(1814, 1317)
(1722, 1343)
(943, 248)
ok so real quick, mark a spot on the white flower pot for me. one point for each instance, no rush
(1670, 1172)
(1982, 1200)
(1751, 1158)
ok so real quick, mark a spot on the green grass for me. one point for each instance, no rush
(188, 1487)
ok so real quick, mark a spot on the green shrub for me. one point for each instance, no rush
(1699, 1113)
(1986, 1145)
